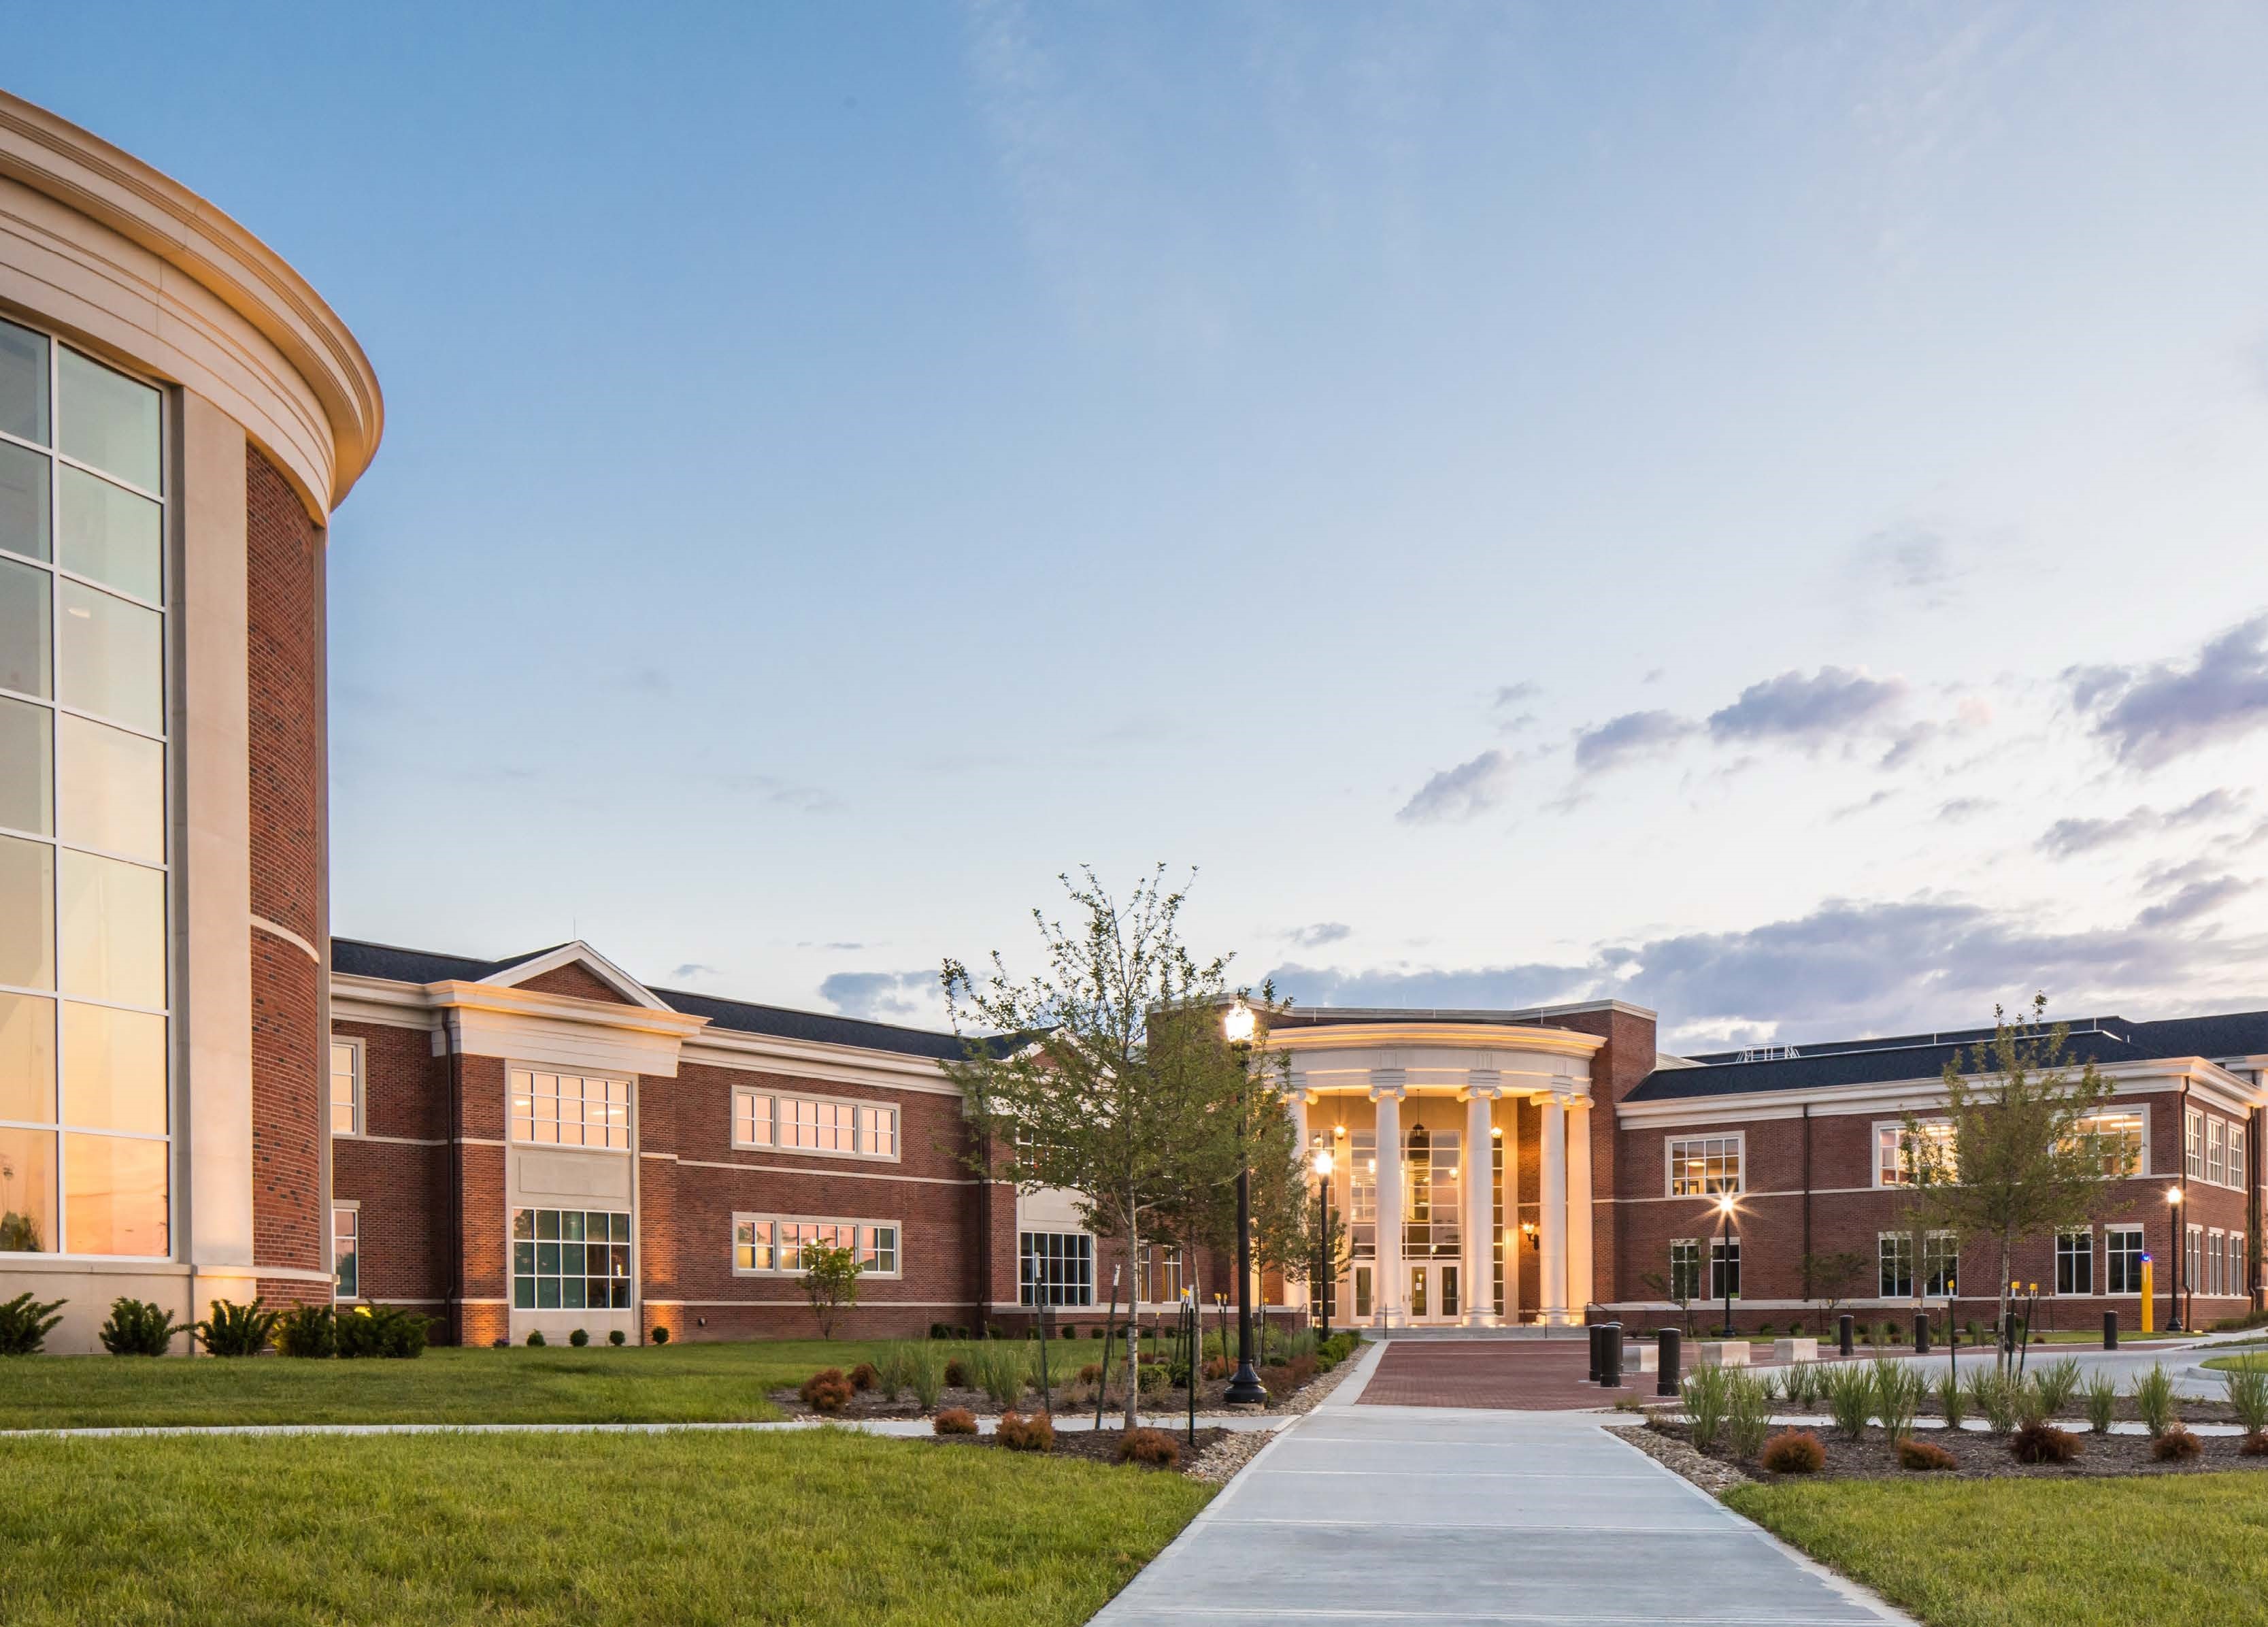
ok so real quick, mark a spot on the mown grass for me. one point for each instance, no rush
(650, 1384)
(2013, 1553)
(2245, 1361)
(821, 1527)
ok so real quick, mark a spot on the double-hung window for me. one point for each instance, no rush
(1724, 1267)
(2215, 1263)
(814, 1124)
(2122, 1260)
(2192, 1257)
(2238, 1174)
(1898, 1149)
(346, 1250)
(772, 1243)
(1941, 1265)
(1705, 1166)
(2075, 1261)
(2216, 1151)
(346, 1087)
(2119, 1134)
(1057, 1268)
(1685, 1269)
(1894, 1252)
(2193, 1144)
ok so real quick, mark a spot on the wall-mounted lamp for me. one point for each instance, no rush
(1497, 1132)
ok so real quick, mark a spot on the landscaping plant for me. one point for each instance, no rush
(1898, 1390)
(536, 1339)
(1850, 1393)
(863, 1377)
(1019, 1433)
(1154, 1448)
(2176, 1446)
(2054, 1385)
(1748, 1414)
(25, 1324)
(892, 1366)
(2038, 1441)
(238, 1330)
(1952, 1401)
(579, 1338)
(826, 1392)
(1925, 1456)
(2100, 1398)
(2248, 1397)
(1800, 1384)
(1002, 1368)
(925, 1371)
(2153, 1399)
(617, 1338)
(1708, 1395)
(831, 1282)
(954, 1421)
(137, 1328)
(307, 1331)
(1794, 1452)
(660, 1335)
(1993, 1396)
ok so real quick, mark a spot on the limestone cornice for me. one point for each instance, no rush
(1433, 1037)
(2208, 1083)
(134, 262)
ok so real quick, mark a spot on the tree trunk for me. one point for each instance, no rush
(2000, 1295)
(1133, 1316)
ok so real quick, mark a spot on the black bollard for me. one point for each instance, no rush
(1921, 1333)
(1610, 1356)
(1846, 1332)
(2110, 1330)
(1592, 1377)
(1667, 1343)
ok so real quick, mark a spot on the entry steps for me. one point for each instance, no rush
(1528, 1332)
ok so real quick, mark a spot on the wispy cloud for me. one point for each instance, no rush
(1321, 933)
(1461, 793)
(2068, 836)
(1830, 705)
(2149, 715)
(1632, 735)
(887, 996)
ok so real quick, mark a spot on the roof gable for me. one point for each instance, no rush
(576, 970)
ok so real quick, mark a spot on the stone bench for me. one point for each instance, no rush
(1724, 1353)
(1787, 1351)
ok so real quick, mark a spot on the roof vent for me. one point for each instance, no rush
(1769, 1053)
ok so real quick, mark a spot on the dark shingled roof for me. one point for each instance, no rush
(1823, 1066)
(358, 958)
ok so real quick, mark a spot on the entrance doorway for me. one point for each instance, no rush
(1436, 1291)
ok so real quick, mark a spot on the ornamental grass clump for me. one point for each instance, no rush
(1849, 1395)
(890, 1370)
(826, 1391)
(2153, 1399)
(2100, 1397)
(2176, 1444)
(1708, 1395)
(1925, 1456)
(1800, 1384)
(925, 1370)
(1001, 1369)
(954, 1421)
(1898, 1390)
(1154, 1448)
(1748, 1415)
(2054, 1385)
(1952, 1403)
(2248, 1398)
(2038, 1441)
(1019, 1433)
(1794, 1452)
(137, 1328)
(1993, 1396)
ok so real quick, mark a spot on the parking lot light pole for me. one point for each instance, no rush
(1725, 1258)
(1245, 1389)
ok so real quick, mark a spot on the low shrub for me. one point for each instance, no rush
(863, 1377)
(1286, 1376)
(617, 1338)
(1218, 1367)
(385, 1331)
(826, 1392)
(2101, 1399)
(25, 1324)
(660, 1335)
(238, 1330)
(1066, 1331)
(1763, 1330)
(2248, 1398)
(2153, 1399)
(2255, 1445)
(956, 1374)
(536, 1339)
(1154, 1381)
(2038, 1441)
(579, 1338)
(307, 1331)
(1094, 1332)
(1925, 1456)
(954, 1421)
(137, 1328)
(2176, 1446)
(1794, 1452)
(1020, 1433)
(1154, 1447)
(1092, 1373)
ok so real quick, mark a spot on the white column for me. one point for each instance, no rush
(1581, 1288)
(1480, 1216)
(1554, 1215)
(1390, 1294)
(1294, 1294)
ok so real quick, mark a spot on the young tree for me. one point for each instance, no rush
(831, 1282)
(1106, 1075)
(2017, 1159)
(1676, 1287)
(1832, 1277)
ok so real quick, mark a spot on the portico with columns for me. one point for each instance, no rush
(1460, 1158)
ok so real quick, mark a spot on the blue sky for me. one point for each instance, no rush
(1755, 510)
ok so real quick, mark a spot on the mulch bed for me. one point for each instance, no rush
(1980, 1457)
(1099, 1446)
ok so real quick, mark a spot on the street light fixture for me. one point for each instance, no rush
(2174, 1196)
(1725, 1258)
(1324, 1285)
(1239, 1026)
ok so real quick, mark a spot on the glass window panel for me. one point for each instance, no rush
(108, 419)
(23, 382)
(595, 1228)
(26, 625)
(27, 1058)
(112, 658)
(523, 1222)
(523, 1293)
(113, 1195)
(113, 1070)
(570, 1258)
(546, 1224)
(571, 1293)
(618, 1256)
(111, 535)
(27, 1192)
(621, 1297)
(523, 1259)
(571, 1225)
(547, 1258)
(23, 497)
(27, 913)
(110, 789)
(111, 920)
(621, 1226)
(546, 1293)
(26, 767)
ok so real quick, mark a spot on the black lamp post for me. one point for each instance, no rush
(1245, 1389)
(1725, 1258)
(2174, 1196)
(1323, 1284)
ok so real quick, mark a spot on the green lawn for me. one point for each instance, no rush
(650, 1384)
(2235, 1364)
(2013, 1553)
(822, 1527)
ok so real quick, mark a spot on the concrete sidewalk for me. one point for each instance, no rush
(1377, 1514)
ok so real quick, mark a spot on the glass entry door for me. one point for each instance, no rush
(1436, 1291)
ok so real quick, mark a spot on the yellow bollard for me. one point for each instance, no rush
(2149, 1301)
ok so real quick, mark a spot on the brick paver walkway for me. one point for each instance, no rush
(1514, 1375)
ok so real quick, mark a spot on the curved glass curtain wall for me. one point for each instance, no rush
(83, 1002)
